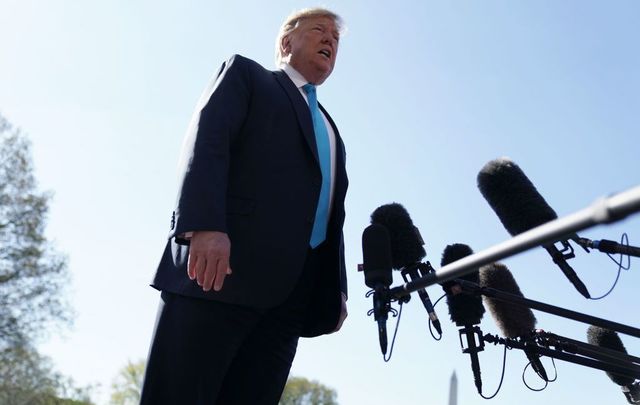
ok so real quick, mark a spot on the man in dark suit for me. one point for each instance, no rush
(255, 257)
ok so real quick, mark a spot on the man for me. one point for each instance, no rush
(255, 256)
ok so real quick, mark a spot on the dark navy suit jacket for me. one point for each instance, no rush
(250, 169)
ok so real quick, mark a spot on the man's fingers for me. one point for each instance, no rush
(191, 266)
(222, 271)
(201, 266)
(208, 261)
(209, 274)
(343, 313)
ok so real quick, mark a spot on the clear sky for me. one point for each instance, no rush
(424, 94)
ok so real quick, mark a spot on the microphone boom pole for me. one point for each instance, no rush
(602, 211)
(630, 369)
(550, 309)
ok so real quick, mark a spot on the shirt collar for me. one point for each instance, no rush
(295, 76)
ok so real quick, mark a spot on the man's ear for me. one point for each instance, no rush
(285, 46)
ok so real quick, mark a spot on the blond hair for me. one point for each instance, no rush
(292, 21)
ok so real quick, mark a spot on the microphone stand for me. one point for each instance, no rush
(586, 349)
(629, 369)
(609, 246)
(602, 211)
(474, 288)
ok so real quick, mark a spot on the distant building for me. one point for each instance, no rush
(453, 389)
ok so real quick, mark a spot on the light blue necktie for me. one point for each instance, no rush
(319, 232)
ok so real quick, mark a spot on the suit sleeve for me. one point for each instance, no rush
(216, 123)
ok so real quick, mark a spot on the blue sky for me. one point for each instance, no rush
(424, 94)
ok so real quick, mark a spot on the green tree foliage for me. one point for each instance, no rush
(27, 378)
(300, 391)
(32, 273)
(127, 385)
(32, 280)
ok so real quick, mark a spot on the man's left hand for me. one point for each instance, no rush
(343, 312)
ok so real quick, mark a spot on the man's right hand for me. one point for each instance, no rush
(209, 259)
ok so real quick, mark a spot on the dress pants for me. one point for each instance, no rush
(207, 352)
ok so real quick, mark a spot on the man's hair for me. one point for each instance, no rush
(292, 21)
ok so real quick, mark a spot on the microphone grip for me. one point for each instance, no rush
(536, 364)
(414, 272)
(559, 259)
(473, 350)
(382, 335)
(609, 246)
(475, 366)
(381, 312)
(426, 301)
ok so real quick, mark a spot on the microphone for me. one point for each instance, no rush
(513, 320)
(407, 250)
(465, 310)
(377, 275)
(609, 339)
(609, 246)
(520, 207)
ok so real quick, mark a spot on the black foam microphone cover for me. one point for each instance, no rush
(464, 309)
(406, 242)
(376, 253)
(513, 197)
(609, 339)
(520, 207)
(512, 319)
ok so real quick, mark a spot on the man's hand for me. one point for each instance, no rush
(343, 312)
(209, 259)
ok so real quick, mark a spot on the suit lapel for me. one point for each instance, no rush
(341, 174)
(301, 109)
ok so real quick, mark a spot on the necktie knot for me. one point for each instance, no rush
(309, 88)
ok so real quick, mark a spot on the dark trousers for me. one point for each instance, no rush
(207, 352)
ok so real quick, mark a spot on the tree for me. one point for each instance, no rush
(32, 273)
(27, 377)
(127, 385)
(300, 391)
(32, 280)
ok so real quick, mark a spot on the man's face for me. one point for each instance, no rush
(312, 48)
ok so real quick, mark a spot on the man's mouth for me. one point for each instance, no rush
(326, 53)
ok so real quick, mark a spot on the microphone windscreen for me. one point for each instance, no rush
(464, 309)
(406, 242)
(513, 197)
(512, 319)
(376, 256)
(609, 339)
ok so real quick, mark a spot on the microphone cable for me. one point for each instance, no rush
(504, 366)
(504, 355)
(624, 240)
(395, 313)
(437, 339)
(546, 381)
